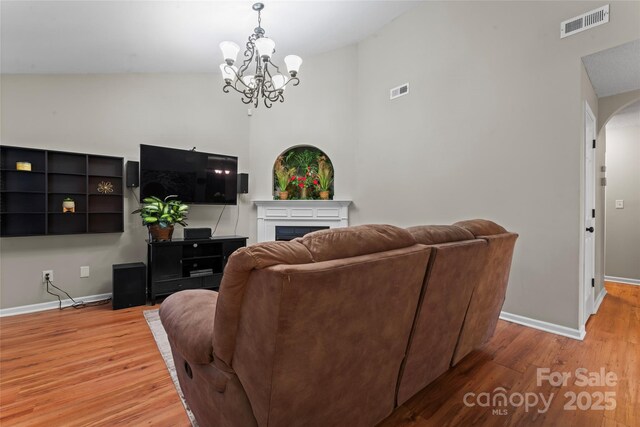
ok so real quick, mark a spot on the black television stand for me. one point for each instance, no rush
(188, 264)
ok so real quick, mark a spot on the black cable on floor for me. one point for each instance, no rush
(76, 304)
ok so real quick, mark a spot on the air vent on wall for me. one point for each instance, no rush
(399, 91)
(585, 21)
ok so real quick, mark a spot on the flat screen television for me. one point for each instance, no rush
(195, 177)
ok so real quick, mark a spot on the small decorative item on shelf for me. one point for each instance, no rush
(283, 177)
(23, 166)
(324, 177)
(68, 205)
(105, 187)
(161, 215)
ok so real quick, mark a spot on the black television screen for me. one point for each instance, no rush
(193, 176)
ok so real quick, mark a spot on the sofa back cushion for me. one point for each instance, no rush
(489, 293)
(434, 234)
(451, 277)
(232, 289)
(348, 242)
(322, 343)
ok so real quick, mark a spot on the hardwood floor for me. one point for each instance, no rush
(101, 367)
(511, 360)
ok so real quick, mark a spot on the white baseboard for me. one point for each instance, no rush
(576, 334)
(622, 280)
(599, 299)
(32, 308)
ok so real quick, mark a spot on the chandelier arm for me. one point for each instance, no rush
(247, 94)
(268, 85)
(272, 95)
(249, 53)
(239, 80)
(275, 66)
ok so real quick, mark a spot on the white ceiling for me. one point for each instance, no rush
(616, 70)
(173, 36)
(629, 116)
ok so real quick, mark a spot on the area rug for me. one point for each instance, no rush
(159, 334)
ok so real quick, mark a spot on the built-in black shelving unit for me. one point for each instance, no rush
(31, 201)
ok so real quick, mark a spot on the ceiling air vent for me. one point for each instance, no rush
(399, 91)
(585, 21)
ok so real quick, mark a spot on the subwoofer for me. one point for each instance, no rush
(129, 285)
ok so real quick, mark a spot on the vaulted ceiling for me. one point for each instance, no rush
(173, 36)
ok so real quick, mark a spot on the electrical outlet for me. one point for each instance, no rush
(84, 271)
(44, 276)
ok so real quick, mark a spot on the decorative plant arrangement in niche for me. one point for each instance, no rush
(303, 173)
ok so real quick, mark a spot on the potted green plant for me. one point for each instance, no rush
(324, 177)
(161, 215)
(283, 177)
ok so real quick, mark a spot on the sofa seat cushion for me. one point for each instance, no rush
(337, 243)
(188, 318)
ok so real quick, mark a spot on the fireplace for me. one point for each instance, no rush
(302, 215)
(287, 232)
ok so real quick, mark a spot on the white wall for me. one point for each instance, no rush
(320, 112)
(111, 114)
(623, 183)
(492, 128)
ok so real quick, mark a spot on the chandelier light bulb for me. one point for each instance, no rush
(250, 81)
(265, 47)
(293, 64)
(228, 72)
(279, 81)
(229, 51)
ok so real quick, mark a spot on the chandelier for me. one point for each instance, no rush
(257, 78)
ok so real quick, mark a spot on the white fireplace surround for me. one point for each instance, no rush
(302, 213)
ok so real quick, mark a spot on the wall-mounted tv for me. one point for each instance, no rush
(195, 177)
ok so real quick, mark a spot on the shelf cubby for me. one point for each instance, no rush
(67, 223)
(103, 166)
(116, 185)
(12, 155)
(54, 203)
(67, 163)
(22, 224)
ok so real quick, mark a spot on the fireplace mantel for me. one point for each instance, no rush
(311, 213)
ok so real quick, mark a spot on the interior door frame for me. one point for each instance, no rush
(584, 280)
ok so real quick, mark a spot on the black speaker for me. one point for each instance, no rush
(197, 233)
(243, 183)
(133, 174)
(129, 285)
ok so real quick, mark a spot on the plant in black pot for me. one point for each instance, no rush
(160, 216)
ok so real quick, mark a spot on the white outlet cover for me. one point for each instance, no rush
(84, 271)
(619, 204)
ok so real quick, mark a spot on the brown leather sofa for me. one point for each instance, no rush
(338, 327)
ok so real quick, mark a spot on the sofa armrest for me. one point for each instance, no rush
(188, 318)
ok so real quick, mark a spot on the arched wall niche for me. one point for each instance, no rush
(303, 172)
